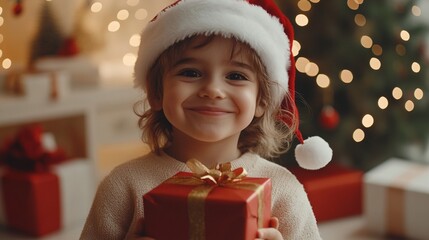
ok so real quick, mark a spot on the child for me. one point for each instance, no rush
(219, 79)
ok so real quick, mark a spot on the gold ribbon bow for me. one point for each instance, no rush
(220, 175)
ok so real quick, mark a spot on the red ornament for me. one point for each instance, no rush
(17, 8)
(329, 117)
(69, 47)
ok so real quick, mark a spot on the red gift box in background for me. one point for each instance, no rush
(39, 191)
(215, 212)
(334, 191)
(32, 202)
(41, 203)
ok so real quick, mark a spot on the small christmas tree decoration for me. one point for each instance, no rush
(49, 39)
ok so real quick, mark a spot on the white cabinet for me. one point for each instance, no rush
(81, 122)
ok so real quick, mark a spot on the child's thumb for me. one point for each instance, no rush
(274, 222)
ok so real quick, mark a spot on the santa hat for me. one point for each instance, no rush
(259, 23)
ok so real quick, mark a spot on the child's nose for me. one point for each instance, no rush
(212, 88)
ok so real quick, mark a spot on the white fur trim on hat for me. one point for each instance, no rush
(246, 22)
(313, 154)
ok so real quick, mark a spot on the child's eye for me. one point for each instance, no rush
(190, 73)
(236, 76)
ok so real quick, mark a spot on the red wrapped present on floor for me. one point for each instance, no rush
(227, 206)
(334, 191)
(39, 191)
(40, 203)
(33, 202)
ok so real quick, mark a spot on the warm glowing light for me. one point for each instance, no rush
(1, 53)
(1, 21)
(377, 50)
(141, 14)
(301, 20)
(96, 7)
(133, 3)
(352, 4)
(314, 1)
(323, 81)
(358, 135)
(397, 93)
(301, 63)
(1, 38)
(1, 10)
(400, 50)
(405, 35)
(367, 121)
(415, 67)
(123, 14)
(296, 47)
(366, 41)
(7, 63)
(418, 94)
(346, 76)
(375, 63)
(360, 20)
(113, 26)
(311, 69)
(416, 11)
(383, 103)
(409, 105)
(129, 59)
(135, 40)
(304, 5)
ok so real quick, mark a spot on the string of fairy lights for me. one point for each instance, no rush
(135, 13)
(311, 69)
(6, 63)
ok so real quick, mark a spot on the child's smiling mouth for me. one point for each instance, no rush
(209, 110)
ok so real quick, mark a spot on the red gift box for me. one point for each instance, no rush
(196, 211)
(334, 191)
(32, 202)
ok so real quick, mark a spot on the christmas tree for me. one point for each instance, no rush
(48, 40)
(362, 71)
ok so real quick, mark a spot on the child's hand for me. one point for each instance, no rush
(139, 231)
(270, 233)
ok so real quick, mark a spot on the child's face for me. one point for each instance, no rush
(210, 94)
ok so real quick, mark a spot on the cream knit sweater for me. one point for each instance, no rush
(118, 204)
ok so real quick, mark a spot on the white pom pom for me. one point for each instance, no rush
(313, 154)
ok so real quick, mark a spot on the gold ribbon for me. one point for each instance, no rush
(205, 180)
(220, 175)
(395, 207)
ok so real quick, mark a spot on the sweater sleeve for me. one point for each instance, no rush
(111, 213)
(292, 207)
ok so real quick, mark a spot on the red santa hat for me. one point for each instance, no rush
(260, 24)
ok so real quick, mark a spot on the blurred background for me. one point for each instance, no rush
(362, 65)
(362, 76)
